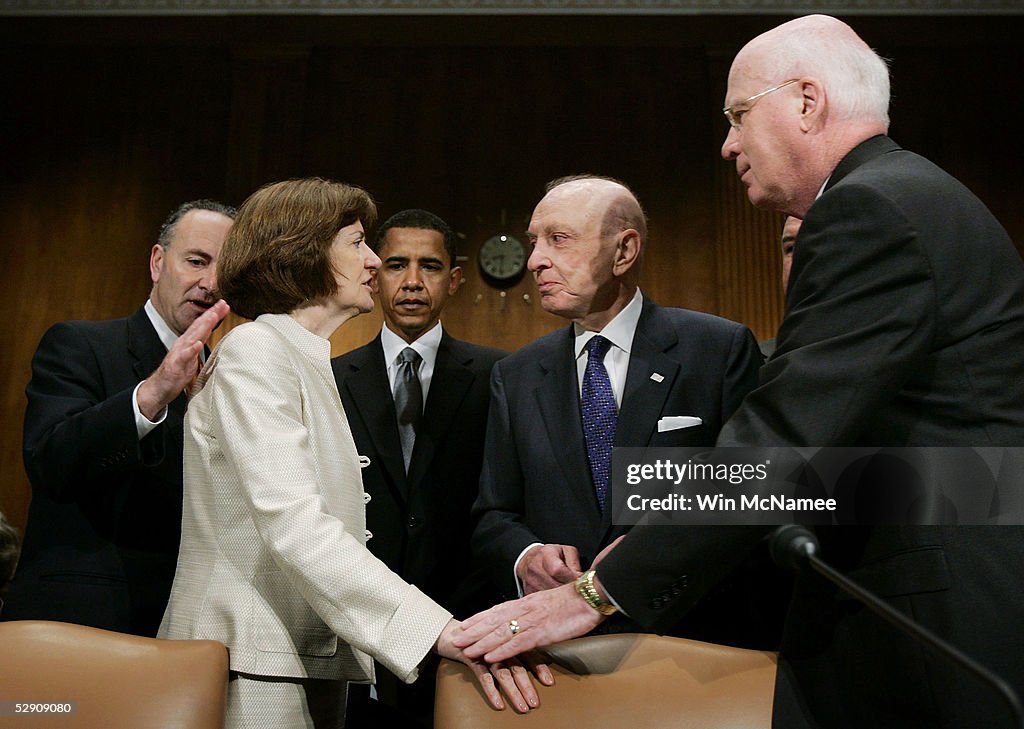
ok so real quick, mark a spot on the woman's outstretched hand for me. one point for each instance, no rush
(511, 677)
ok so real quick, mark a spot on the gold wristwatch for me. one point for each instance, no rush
(585, 587)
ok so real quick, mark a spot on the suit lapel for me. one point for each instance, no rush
(144, 345)
(649, 379)
(448, 386)
(366, 385)
(561, 415)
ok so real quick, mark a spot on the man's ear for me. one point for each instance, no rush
(156, 259)
(627, 251)
(454, 279)
(813, 104)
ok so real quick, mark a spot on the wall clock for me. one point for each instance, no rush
(502, 260)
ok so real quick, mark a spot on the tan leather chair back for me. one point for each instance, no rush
(114, 680)
(628, 680)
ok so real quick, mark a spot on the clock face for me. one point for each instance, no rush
(503, 258)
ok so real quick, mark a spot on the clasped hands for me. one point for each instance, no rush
(551, 611)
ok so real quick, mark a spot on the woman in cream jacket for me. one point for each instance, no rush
(273, 560)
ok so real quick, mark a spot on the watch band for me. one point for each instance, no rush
(585, 587)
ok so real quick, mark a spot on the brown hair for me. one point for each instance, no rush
(277, 254)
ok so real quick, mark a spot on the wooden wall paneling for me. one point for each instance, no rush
(108, 123)
(268, 104)
(99, 145)
(748, 272)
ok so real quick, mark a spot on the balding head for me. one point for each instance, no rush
(621, 209)
(800, 97)
(855, 77)
(587, 234)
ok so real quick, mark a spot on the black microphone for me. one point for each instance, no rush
(796, 547)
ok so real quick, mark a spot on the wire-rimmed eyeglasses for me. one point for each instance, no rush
(735, 116)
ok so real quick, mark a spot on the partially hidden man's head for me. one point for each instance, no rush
(183, 261)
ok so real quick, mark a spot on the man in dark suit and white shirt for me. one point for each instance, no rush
(103, 442)
(542, 512)
(421, 482)
(904, 327)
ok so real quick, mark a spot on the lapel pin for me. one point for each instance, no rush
(657, 377)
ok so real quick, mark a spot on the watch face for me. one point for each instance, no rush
(502, 257)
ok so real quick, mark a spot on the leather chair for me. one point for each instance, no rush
(114, 680)
(627, 680)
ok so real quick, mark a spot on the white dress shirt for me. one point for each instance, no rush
(426, 347)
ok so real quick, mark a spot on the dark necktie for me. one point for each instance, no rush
(599, 416)
(408, 400)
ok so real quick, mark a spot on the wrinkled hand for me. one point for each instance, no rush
(545, 617)
(181, 364)
(511, 677)
(548, 565)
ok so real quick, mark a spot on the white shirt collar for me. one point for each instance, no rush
(823, 186)
(426, 345)
(619, 331)
(166, 334)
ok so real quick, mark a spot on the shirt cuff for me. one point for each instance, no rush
(515, 566)
(143, 425)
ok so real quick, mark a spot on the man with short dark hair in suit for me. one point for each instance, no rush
(904, 327)
(420, 488)
(544, 511)
(103, 442)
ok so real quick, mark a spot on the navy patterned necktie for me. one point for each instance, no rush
(599, 416)
(408, 400)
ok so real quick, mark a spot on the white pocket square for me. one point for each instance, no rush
(677, 422)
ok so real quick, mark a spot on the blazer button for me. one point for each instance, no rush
(413, 521)
(369, 535)
(367, 498)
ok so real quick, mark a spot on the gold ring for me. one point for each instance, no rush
(513, 625)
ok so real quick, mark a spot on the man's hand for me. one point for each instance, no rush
(548, 565)
(511, 676)
(181, 364)
(514, 627)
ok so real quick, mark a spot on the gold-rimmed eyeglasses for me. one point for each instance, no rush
(735, 115)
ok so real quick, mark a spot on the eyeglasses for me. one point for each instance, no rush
(735, 116)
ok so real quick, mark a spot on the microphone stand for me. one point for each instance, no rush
(796, 547)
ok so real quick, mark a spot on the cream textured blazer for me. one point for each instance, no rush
(273, 561)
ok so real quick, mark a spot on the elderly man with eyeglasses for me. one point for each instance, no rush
(904, 326)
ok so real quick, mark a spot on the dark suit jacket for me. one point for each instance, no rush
(420, 522)
(536, 484)
(904, 327)
(105, 519)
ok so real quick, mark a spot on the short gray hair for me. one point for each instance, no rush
(167, 229)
